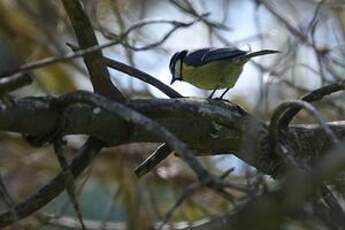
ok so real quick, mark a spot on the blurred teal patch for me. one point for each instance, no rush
(96, 202)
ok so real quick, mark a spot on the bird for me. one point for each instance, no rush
(211, 68)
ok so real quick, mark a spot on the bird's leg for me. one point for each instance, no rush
(223, 94)
(211, 95)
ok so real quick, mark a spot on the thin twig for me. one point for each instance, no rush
(275, 124)
(296, 32)
(189, 192)
(8, 201)
(99, 74)
(80, 53)
(60, 152)
(14, 83)
(53, 60)
(176, 25)
(313, 21)
(134, 72)
(48, 192)
(162, 152)
(186, 193)
(315, 95)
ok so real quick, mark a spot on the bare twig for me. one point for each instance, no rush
(54, 188)
(8, 201)
(188, 8)
(131, 71)
(162, 152)
(294, 31)
(281, 109)
(86, 37)
(14, 83)
(189, 192)
(311, 97)
(313, 21)
(186, 193)
(53, 60)
(136, 73)
(122, 38)
(60, 150)
(95, 48)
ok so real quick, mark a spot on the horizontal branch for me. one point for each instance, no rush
(214, 127)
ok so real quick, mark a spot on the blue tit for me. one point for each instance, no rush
(211, 68)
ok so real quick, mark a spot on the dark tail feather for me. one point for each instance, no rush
(261, 52)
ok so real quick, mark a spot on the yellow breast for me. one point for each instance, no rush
(218, 74)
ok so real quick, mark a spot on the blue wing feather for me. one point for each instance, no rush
(223, 53)
(195, 58)
(206, 55)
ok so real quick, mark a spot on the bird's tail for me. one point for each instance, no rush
(261, 52)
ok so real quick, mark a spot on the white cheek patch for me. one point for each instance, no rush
(177, 69)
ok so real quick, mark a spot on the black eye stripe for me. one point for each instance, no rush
(173, 62)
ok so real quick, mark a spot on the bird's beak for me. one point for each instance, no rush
(173, 79)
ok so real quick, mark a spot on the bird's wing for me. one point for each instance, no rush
(203, 56)
(195, 58)
(222, 53)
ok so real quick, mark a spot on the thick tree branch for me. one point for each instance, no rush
(127, 114)
(213, 126)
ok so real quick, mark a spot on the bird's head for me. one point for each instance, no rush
(175, 65)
